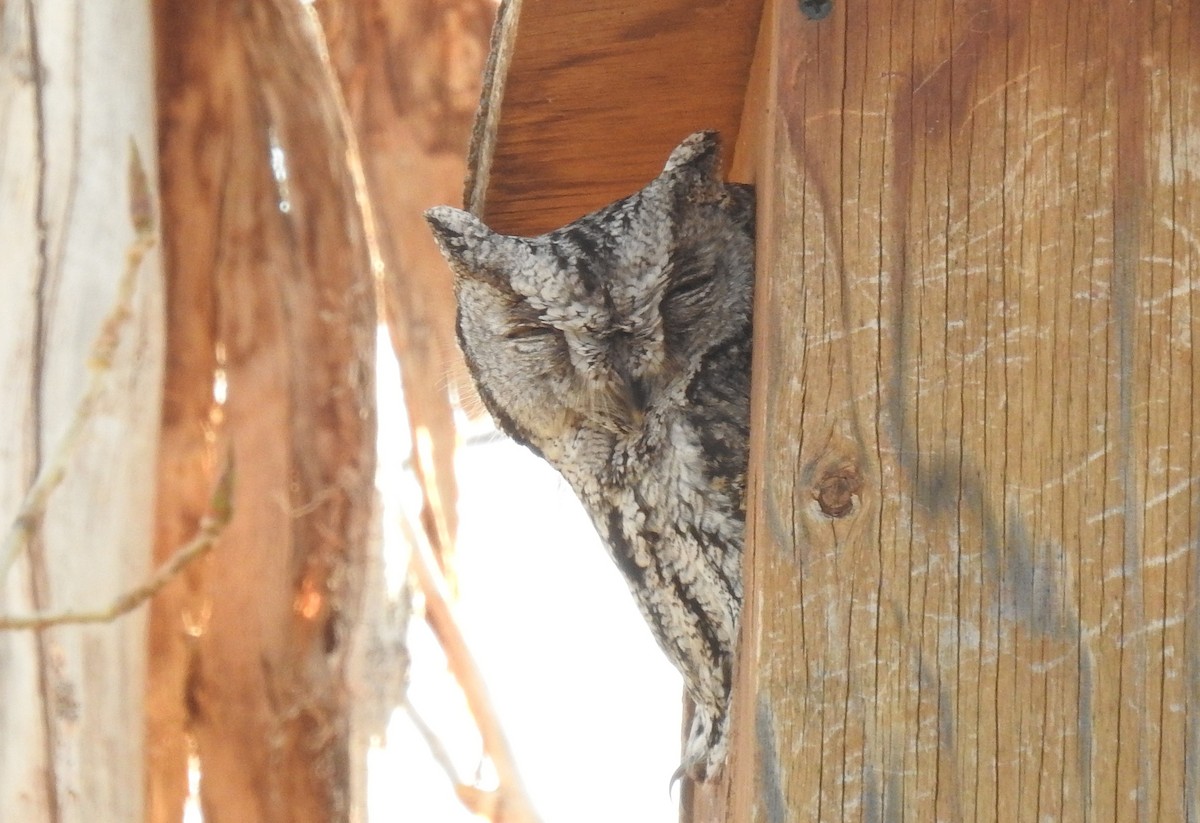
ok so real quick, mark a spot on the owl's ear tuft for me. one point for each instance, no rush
(471, 248)
(696, 163)
(455, 231)
(699, 153)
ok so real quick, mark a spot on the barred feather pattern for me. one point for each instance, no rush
(618, 348)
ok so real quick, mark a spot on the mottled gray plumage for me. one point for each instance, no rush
(618, 348)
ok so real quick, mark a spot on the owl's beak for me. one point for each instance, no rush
(638, 395)
(633, 392)
(636, 399)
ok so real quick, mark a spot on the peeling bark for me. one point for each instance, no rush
(272, 251)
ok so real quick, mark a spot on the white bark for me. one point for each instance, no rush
(76, 91)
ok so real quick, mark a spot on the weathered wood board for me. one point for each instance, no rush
(974, 564)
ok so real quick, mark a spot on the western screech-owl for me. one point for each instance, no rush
(618, 348)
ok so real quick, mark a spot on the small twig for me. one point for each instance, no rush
(514, 804)
(33, 506)
(440, 755)
(211, 526)
(480, 802)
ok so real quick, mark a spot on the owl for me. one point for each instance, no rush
(618, 349)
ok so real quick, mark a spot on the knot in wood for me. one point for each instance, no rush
(816, 9)
(836, 489)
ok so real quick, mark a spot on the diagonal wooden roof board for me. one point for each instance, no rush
(584, 101)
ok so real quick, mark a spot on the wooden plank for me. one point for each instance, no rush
(584, 101)
(977, 314)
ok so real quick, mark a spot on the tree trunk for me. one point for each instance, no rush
(973, 564)
(198, 91)
(271, 284)
(76, 98)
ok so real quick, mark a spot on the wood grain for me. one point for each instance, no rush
(978, 296)
(587, 100)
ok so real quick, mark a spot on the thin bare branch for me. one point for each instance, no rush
(211, 526)
(514, 803)
(481, 802)
(440, 755)
(33, 506)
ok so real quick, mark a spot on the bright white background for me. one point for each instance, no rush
(589, 703)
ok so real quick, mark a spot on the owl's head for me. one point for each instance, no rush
(597, 325)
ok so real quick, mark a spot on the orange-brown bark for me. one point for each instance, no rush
(270, 269)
